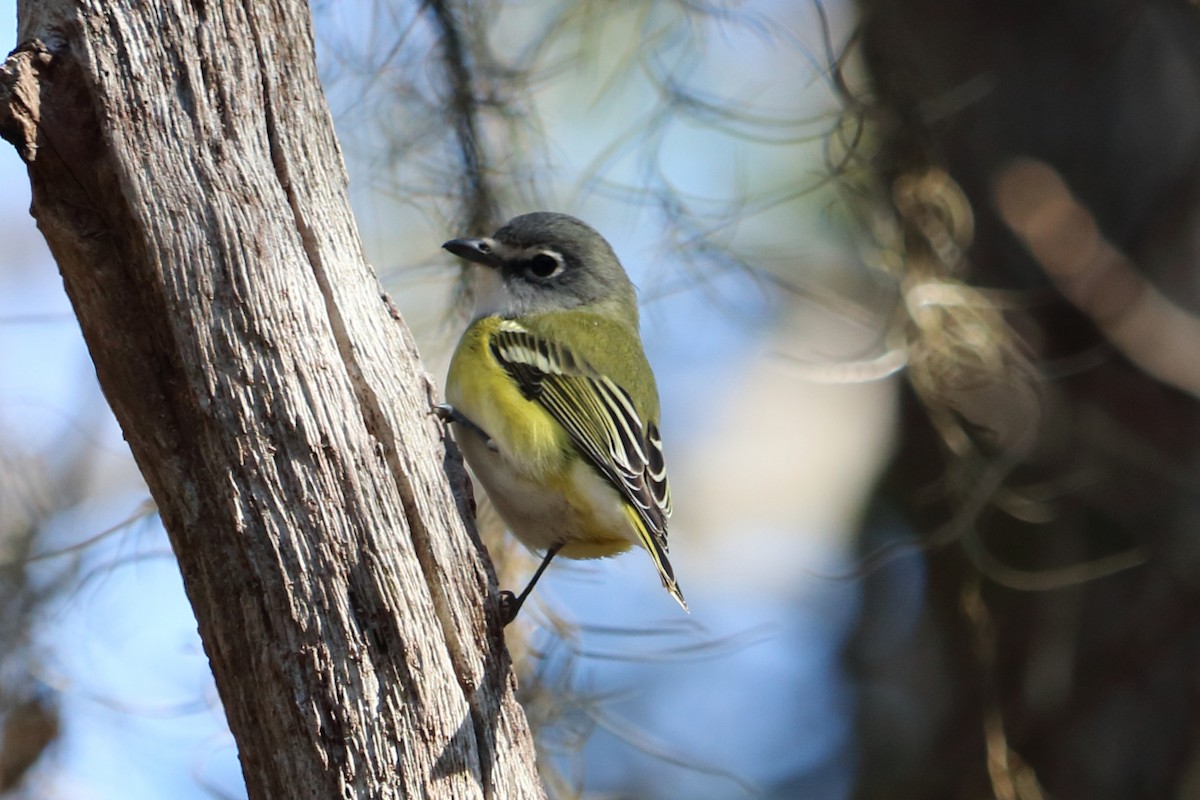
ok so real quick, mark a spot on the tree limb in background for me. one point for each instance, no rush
(1153, 332)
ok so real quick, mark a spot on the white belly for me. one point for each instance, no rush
(542, 517)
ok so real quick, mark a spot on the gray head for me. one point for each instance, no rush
(545, 262)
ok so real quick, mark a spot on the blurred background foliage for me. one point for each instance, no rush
(919, 283)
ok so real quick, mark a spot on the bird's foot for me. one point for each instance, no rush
(510, 604)
(449, 413)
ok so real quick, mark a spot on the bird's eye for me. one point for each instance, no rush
(544, 265)
(483, 247)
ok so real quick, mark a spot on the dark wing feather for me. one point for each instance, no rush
(599, 416)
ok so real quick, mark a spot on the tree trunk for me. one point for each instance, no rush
(186, 176)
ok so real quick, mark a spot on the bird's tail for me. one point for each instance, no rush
(658, 552)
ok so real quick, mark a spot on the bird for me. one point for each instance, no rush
(554, 402)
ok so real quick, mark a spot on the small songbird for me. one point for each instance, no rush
(555, 403)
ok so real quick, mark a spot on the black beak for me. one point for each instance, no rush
(477, 251)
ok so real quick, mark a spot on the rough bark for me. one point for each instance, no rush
(186, 176)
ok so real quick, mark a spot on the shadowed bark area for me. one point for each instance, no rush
(186, 177)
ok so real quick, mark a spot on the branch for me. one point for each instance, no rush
(1154, 333)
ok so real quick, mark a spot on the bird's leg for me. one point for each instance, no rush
(511, 603)
(448, 412)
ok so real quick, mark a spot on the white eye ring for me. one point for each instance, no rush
(545, 264)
